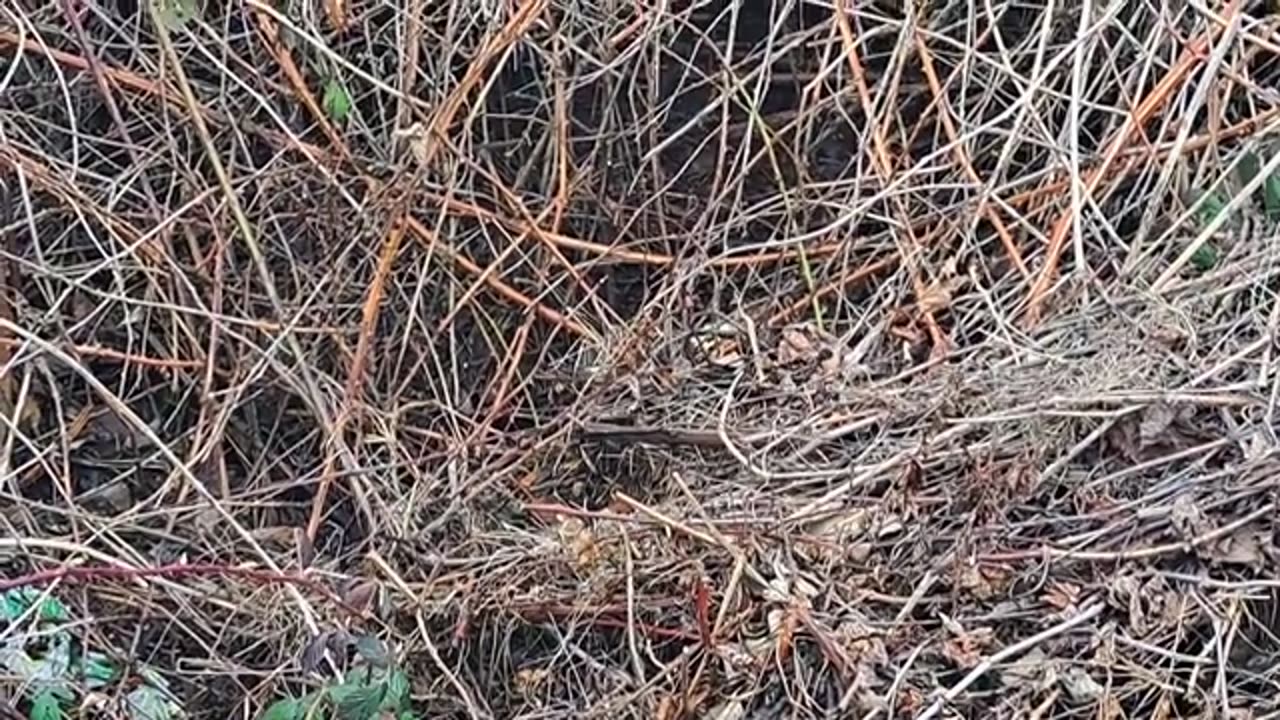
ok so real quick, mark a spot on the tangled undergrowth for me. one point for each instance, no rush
(545, 358)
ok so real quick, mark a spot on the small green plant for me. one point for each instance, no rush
(1204, 258)
(365, 693)
(176, 13)
(1271, 198)
(371, 690)
(336, 100)
(1213, 203)
(52, 671)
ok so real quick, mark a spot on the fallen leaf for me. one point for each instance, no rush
(724, 352)
(175, 14)
(964, 648)
(782, 626)
(529, 680)
(796, 346)
(1080, 686)
(983, 581)
(1061, 595)
(109, 428)
(580, 543)
(152, 700)
(1156, 420)
(1271, 197)
(46, 705)
(859, 552)
(360, 594)
(286, 709)
(313, 652)
(1258, 446)
(936, 297)
(1242, 548)
(1187, 519)
(738, 660)
(1032, 671)
(864, 643)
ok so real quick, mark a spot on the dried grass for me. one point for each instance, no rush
(705, 360)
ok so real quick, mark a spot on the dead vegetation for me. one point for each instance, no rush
(661, 360)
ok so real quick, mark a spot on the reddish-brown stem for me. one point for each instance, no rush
(101, 573)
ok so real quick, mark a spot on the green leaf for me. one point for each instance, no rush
(287, 709)
(96, 669)
(13, 603)
(372, 650)
(53, 610)
(1204, 258)
(336, 100)
(46, 706)
(1247, 168)
(1212, 205)
(148, 702)
(357, 702)
(175, 13)
(16, 660)
(407, 715)
(16, 602)
(1271, 197)
(397, 685)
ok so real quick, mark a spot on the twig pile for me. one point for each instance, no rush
(653, 360)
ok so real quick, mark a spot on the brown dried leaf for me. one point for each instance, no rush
(936, 297)
(313, 652)
(837, 535)
(1031, 671)
(360, 594)
(941, 292)
(1156, 421)
(1061, 595)
(724, 352)
(1257, 446)
(1080, 686)
(1126, 592)
(1242, 548)
(864, 643)
(983, 581)
(528, 680)
(738, 660)
(1187, 519)
(965, 647)
(580, 543)
(796, 346)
